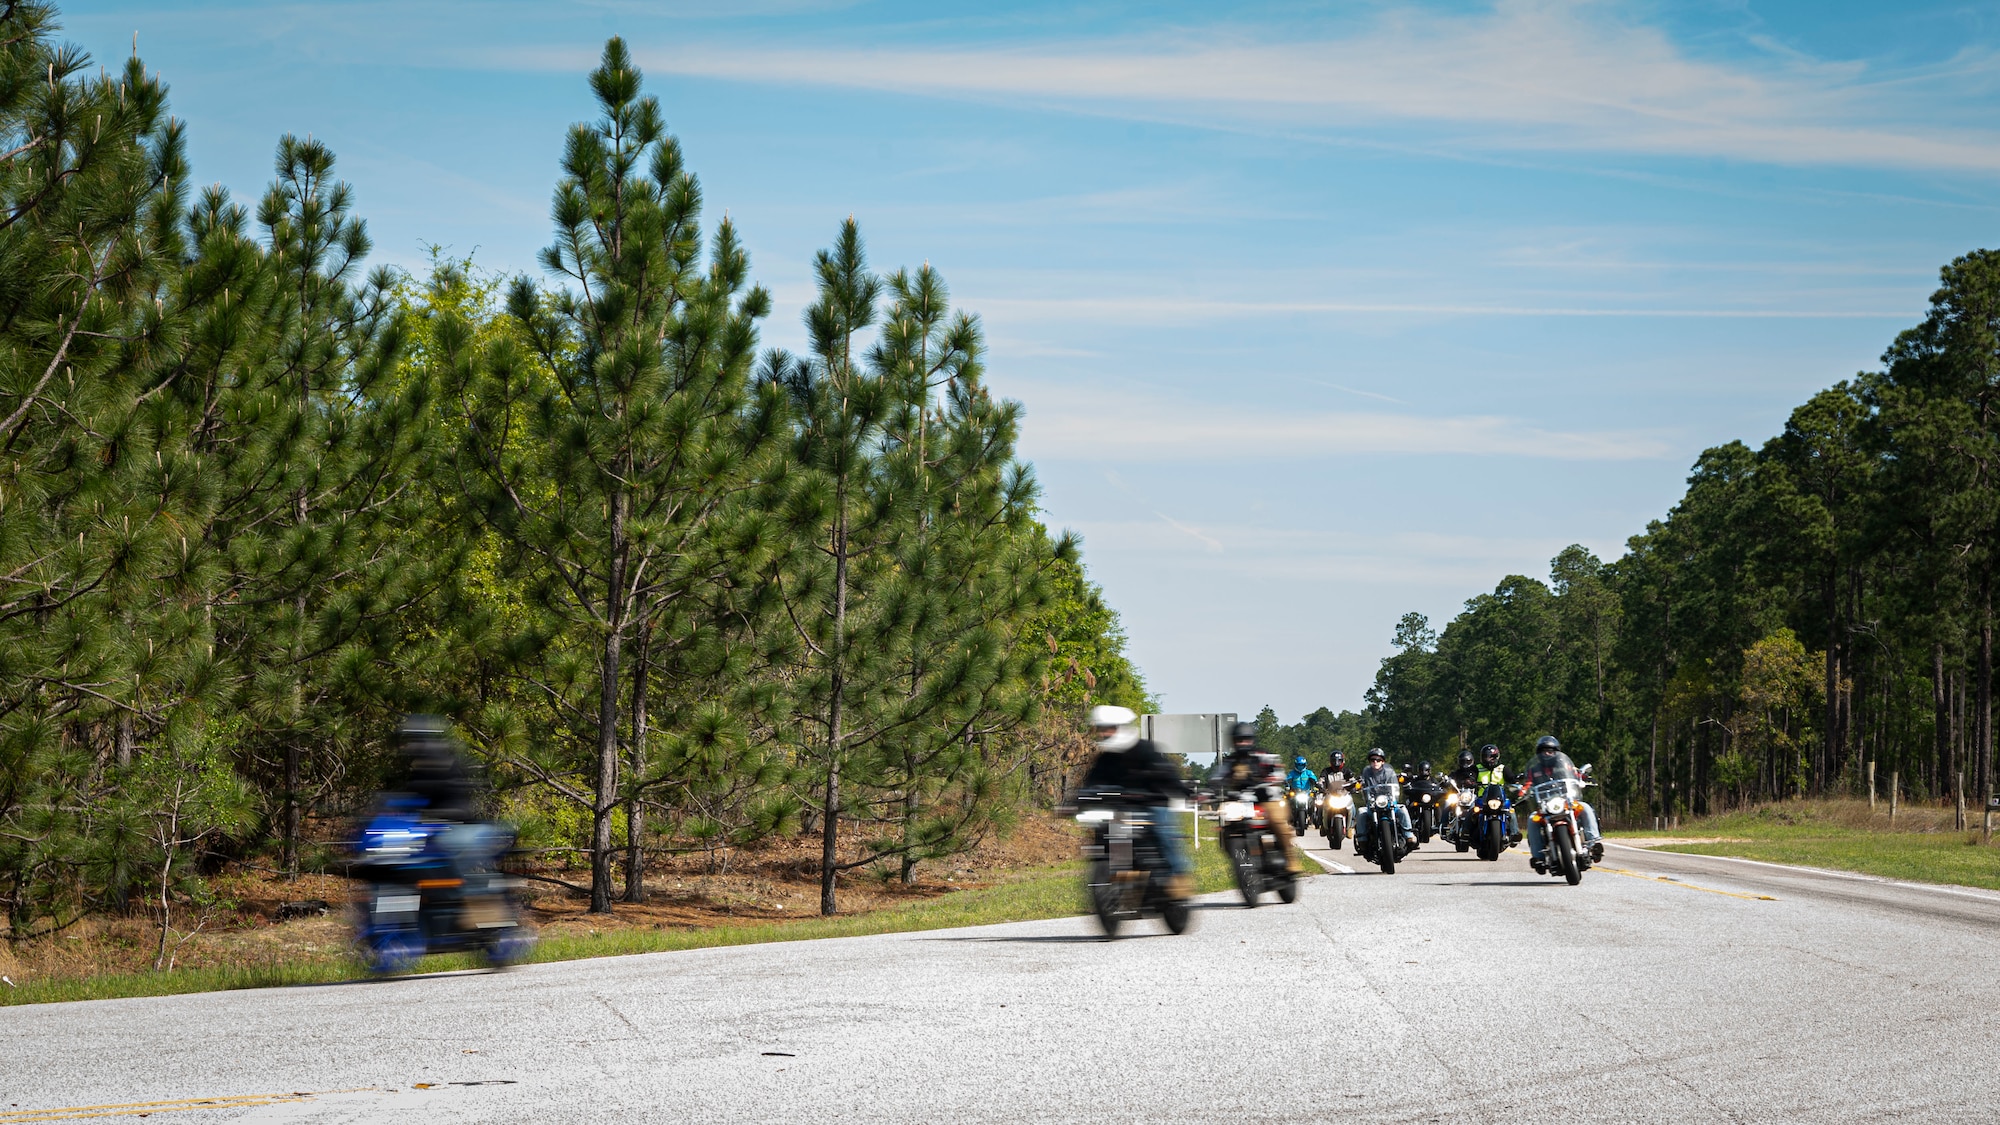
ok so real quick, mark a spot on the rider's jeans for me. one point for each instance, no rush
(1279, 813)
(1586, 819)
(1361, 823)
(473, 847)
(1167, 826)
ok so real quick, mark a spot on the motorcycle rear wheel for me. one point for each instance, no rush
(509, 947)
(1566, 857)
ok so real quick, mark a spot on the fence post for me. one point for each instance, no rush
(1958, 792)
(1895, 783)
(1871, 785)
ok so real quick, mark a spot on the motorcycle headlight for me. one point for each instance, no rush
(1343, 802)
(1233, 810)
(1555, 805)
(1381, 802)
(1093, 816)
(1493, 803)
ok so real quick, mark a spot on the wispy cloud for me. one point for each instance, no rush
(1082, 425)
(1177, 309)
(1550, 74)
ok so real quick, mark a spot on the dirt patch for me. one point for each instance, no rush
(258, 918)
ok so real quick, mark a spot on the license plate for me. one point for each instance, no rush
(1121, 854)
(397, 904)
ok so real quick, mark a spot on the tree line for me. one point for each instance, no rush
(679, 592)
(1810, 610)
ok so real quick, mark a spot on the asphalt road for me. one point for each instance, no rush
(1665, 988)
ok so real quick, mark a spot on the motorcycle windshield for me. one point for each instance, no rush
(1564, 787)
(1384, 788)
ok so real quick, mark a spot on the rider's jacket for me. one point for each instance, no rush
(1378, 775)
(1554, 767)
(1497, 775)
(1336, 780)
(1251, 768)
(1140, 768)
(1465, 778)
(1302, 777)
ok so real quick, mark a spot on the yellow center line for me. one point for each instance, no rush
(1674, 883)
(141, 1109)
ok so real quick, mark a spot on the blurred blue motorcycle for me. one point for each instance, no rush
(432, 889)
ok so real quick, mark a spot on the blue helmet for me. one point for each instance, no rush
(1300, 761)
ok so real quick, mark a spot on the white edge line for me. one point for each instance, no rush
(1332, 863)
(1962, 892)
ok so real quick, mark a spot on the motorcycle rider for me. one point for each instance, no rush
(1551, 764)
(1301, 775)
(1466, 776)
(1379, 772)
(1491, 772)
(1134, 765)
(1336, 771)
(1251, 768)
(436, 773)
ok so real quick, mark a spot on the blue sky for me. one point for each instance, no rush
(1321, 313)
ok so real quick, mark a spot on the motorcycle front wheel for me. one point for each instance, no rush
(1104, 897)
(1489, 841)
(1566, 856)
(1288, 891)
(1249, 881)
(1385, 845)
(1177, 916)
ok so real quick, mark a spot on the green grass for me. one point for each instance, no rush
(1843, 836)
(1050, 892)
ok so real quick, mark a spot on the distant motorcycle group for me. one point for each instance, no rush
(1138, 866)
(1472, 809)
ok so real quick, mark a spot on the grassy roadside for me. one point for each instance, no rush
(1046, 892)
(1844, 836)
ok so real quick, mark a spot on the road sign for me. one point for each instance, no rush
(1993, 802)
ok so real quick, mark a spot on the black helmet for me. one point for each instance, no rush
(1465, 759)
(1489, 754)
(1424, 769)
(1243, 732)
(1377, 753)
(1548, 745)
(1337, 761)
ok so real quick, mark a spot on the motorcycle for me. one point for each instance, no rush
(1555, 801)
(418, 902)
(1337, 810)
(1305, 810)
(1251, 843)
(1453, 828)
(1426, 807)
(1385, 843)
(1489, 827)
(1125, 871)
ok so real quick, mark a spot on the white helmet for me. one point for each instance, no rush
(1116, 728)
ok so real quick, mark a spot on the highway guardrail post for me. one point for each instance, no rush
(1895, 782)
(1871, 785)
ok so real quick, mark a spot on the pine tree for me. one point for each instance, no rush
(607, 454)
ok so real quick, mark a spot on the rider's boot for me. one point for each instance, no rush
(1597, 851)
(1180, 888)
